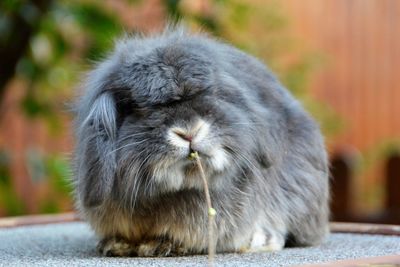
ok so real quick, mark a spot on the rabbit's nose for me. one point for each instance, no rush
(184, 136)
(189, 137)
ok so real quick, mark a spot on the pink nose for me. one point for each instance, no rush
(185, 137)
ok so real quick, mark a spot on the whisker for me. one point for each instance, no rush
(247, 123)
(246, 160)
(128, 145)
(128, 180)
(139, 170)
(132, 135)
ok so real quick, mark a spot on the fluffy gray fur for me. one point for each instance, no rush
(263, 155)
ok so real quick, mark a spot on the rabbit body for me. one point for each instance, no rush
(156, 99)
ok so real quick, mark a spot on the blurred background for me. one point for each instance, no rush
(340, 57)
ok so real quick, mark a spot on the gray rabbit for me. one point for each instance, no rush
(155, 100)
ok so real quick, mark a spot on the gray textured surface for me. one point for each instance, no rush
(73, 244)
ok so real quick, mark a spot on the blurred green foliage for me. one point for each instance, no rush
(74, 34)
(71, 31)
(8, 199)
(70, 36)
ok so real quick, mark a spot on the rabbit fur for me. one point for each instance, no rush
(154, 100)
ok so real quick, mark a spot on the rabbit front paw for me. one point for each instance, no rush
(119, 247)
(116, 247)
(159, 248)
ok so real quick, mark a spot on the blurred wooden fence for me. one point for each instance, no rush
(342, 175)
(361, 82)
(361, 42)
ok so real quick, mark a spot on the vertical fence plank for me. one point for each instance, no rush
(393, 189)
(341, 174)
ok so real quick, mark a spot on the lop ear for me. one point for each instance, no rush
(98, 132)
(102, 117)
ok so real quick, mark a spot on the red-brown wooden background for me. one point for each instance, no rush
(361, 81)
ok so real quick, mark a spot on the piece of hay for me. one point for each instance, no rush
(211, 211)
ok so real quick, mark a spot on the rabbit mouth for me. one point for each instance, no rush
(214, 161)
(176, 173)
